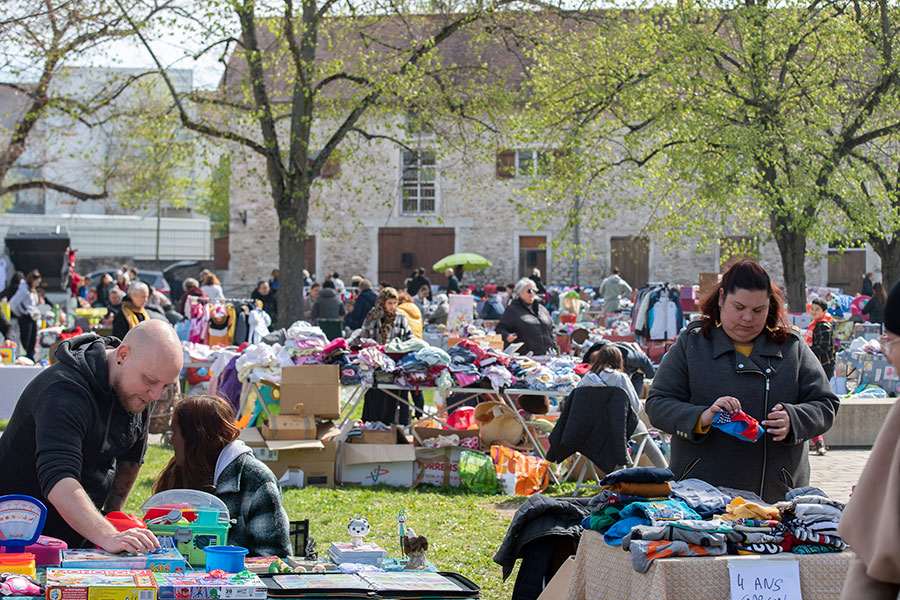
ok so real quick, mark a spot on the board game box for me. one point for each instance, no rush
(199, 585)
(164, 560)
(100, 584)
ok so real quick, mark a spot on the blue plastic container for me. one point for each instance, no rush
(227, 558)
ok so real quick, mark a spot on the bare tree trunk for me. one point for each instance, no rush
(889, 252)
(792, 247)
(292, 236)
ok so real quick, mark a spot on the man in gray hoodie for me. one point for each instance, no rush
(77, 437)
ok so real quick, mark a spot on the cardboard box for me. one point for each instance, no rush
(316, 458)
(708, 281)
(311, 389)
(558, 588)
(368, 436)
(99, 584)
(7, 355)
(187, 586)
(289, 427)
(438, 466)
(373, 464)
(166, 560)
(423, 433)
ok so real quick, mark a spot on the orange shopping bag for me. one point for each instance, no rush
(520, 474)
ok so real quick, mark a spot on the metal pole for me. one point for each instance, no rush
(577, 237)
(158, 222)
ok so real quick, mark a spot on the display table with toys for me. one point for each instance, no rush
(191, 524)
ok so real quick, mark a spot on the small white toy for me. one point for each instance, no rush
(358, 529)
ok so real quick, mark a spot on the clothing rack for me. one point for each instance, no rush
(199, 300)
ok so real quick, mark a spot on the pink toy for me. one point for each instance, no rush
(19, 585)
(858, 304)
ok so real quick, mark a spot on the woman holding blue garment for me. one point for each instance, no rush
(742, 359)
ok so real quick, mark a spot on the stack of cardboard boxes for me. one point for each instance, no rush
(297, 434)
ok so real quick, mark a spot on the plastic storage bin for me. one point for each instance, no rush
(227, 558)
(21, 563)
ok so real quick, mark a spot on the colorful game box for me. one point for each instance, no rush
(231, 586)
(164, 560)
(100, 584)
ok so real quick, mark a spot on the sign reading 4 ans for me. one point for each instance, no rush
(765, 579)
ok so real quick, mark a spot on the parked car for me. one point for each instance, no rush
(158, 280)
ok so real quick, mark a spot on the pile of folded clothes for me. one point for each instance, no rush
(811, 518)
(650, 515)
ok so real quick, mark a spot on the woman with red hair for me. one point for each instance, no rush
(742, 358)
(210, 458)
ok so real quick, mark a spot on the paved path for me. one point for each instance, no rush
(837, 471)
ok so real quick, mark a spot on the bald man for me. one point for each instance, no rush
(77, 437)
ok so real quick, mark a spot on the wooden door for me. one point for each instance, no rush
(845, 270)
(401, 250)
(533, 255)
(632, 255)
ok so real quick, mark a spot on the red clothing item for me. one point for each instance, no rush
(809, 330)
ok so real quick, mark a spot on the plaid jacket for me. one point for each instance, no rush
(399, 329)
(250, 491)
(823, 342)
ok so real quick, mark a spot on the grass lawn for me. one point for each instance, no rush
(463, 530)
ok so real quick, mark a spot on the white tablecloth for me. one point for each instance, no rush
(13, 379)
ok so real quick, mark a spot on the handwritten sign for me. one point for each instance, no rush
(765, 579)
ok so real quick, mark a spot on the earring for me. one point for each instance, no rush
(718, 323)
(120, 362)
(771, 329)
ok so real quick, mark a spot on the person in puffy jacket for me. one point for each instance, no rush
(365, 301)
(527, 321)
(328, 304)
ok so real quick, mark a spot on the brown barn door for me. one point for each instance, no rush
(632, 255)
(401, 250)
(845, 270)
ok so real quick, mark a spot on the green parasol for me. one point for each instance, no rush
(469, 260)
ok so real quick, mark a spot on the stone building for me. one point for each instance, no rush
(392, 210)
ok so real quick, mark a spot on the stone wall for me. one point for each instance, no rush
(348, 211)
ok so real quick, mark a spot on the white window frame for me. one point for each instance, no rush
(419, 185)
(532, 171)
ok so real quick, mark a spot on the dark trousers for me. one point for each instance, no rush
(27, 335)
(380, 406)
(418, 399)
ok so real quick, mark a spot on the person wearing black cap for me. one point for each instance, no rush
(871, 520)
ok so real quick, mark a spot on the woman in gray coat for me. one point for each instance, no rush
(742, 356)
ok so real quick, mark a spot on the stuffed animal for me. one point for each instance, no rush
(358, 529)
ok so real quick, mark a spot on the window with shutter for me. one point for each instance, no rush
(506, 164)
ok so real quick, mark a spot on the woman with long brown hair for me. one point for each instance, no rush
(210, 458)
(874, 308)
(742, 357)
